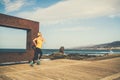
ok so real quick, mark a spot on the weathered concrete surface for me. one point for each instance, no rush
(64, 69)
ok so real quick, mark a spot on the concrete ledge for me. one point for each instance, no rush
(112, 77)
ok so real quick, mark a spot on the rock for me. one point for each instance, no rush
(57, 55)
(61, 50)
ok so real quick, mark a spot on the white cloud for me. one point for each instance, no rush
(13, 5)
(73, 9)
(77, 29)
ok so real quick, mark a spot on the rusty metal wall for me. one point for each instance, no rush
(32, 28)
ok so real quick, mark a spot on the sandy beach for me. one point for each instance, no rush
(64, 69)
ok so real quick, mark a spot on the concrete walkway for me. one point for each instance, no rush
(112, 77)
(64, 69)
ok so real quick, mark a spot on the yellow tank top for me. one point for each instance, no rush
(39, 43)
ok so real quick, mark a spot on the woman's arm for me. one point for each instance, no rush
(34, 41)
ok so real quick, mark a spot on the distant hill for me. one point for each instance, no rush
(108, 45)
(105, 45)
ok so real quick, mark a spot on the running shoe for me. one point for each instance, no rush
(31, 63)
(38, 62)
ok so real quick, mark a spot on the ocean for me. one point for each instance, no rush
(66, 51)
(73, 51)
(12, 50)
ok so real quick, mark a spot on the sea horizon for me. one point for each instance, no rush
(66, 51)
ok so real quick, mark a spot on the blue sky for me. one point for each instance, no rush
(70, 23)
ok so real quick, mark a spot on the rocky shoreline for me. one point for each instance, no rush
(76, 56)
